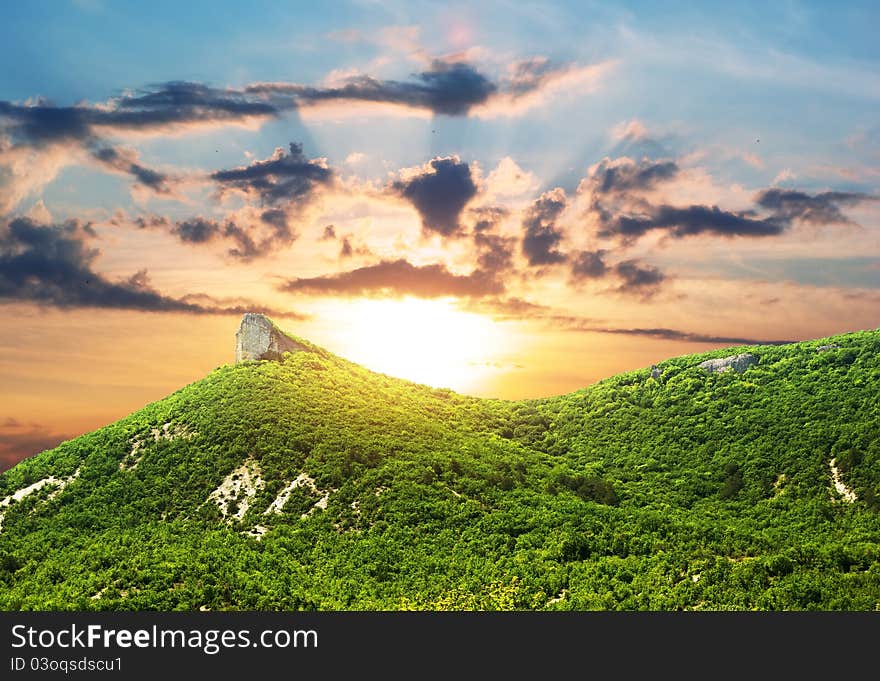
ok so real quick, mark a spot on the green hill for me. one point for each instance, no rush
(313, 483)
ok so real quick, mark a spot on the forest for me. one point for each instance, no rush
(311, 483)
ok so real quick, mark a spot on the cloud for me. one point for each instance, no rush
(164, 106)
(346, 250)
(636, 277)
(494, 252)
(196, 230)
(24, 171)
(691, 220)
(251, 233)
(38, 138)
(449, 86)
(399, 278)
(542, 237)
(509, 309)
(618, 187)
(39, 212)
(589, 265)
(445, 88)
(439, 193)
(623, 175)
(126, 161)
(488, 217)
(506, 309)
(284, 176)
(825, 208)
(677, 335)
(632, 276)
(287, 182)
(19, 441)
(508, 179)
(355, 158)
(53, 265)
(251, 238)
(533, 82)
(629, 130)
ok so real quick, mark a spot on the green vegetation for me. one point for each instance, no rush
(691, 491)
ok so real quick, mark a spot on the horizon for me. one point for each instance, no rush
(6, 464)
(507, 201)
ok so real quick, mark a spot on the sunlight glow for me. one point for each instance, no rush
(426, 341)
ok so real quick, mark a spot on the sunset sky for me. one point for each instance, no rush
(509, 199)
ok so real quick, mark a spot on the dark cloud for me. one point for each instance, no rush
(188, 101)
(494, 252)
(488, 217)
(70, 133)
(632, 276)
(53, 265)
(141, 222)
(589, 264)
(677, 335)
(448, 88)
(249, 238)
(617, 187)
(19, 441)
(824, 208)
(636, 277)
(285, 176)
(519, 309)
(166, 105)
(625, 175)
(451, 89)
(439, 194)
(347, 249)
(504, 309)
(542, 237)
(329, 233)
(197, 230)
(689, 221)
(398, 277)
(622, 212)
(529, 75)
(40, 124)
(277, 218)
(126, 161)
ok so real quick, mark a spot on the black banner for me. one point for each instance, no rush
(301, 645)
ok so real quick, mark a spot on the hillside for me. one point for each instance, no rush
(313, 483)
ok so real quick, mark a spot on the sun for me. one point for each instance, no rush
(426, 341)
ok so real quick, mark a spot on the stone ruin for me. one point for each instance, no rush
(258, 338)
(738, 363)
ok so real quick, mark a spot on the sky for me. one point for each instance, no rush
(509, 199)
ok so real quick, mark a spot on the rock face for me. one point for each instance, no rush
(656, 372)
(738, 363)
(825, 348)
(257, 338)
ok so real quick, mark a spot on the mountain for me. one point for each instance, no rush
(308, 482)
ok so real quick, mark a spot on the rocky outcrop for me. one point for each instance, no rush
(656, 372)
(825, 348)
(738, 363)
(259, 338)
